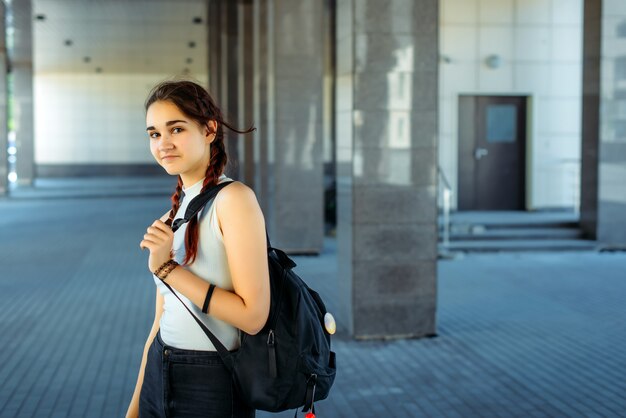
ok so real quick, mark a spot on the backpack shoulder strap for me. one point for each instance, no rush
(197, 203)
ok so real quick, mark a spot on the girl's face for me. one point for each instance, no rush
(177, 143)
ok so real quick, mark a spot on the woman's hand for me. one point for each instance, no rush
(158, 240)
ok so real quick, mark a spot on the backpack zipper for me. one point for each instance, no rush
(271, 338)
(272, 354)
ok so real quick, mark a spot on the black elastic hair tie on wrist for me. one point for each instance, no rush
(209, 293)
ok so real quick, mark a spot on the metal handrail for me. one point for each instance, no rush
(575, 184)
(447, 194)
(443, 177)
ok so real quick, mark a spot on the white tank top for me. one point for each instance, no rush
(178, 328)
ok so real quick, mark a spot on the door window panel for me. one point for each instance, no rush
(501, 123)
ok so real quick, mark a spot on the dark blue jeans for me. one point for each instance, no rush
(181, 383)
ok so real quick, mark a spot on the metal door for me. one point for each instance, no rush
(492, 143)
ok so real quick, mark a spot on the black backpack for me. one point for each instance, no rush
(289, 363)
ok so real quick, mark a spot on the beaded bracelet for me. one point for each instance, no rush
(165, 269)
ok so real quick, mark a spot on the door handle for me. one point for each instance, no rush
(480, 153)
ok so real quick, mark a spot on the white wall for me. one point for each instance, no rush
(540, 43)
(92, 118)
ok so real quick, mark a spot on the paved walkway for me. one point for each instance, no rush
(519, 334)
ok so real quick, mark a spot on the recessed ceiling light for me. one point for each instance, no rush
(68, 42)
(192, 44)
(41, 17)
(87, 59)
(189, 60)
(197, 20)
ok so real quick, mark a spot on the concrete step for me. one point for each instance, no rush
(512, 219)
(519, 245)
(530, 233)
(492, 231)
(94, 187)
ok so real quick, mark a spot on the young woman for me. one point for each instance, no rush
(181, 373)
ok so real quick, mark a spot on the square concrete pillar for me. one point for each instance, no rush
(230, 78)
(603, 168)
(4, 164)
(288, 93)
(21, 58)
(228, 89)
(386, 132)
(214, 43)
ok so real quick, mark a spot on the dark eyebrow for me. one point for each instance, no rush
(168, 123)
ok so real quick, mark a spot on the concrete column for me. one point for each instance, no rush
(214, 43)
(230, 79)
(4, 164)
(288, 97)
(245, 89)
(228, 94)
(22, 73)
(386, 130)
(603, 165)
(263, 171)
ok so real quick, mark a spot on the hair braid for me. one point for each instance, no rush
(175, 205)
(175, 201)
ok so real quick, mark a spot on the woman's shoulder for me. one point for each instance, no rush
(235, 193)
(234, 201)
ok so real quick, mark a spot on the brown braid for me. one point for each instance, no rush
(175, 205)
(196, 103)
(175, 201)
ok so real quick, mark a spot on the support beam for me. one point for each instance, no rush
(603, 165)
(4, 163)
(386, 130)
(22, 75)
(288, 109)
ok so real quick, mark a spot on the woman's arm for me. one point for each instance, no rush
(243, 228)
(133, 408)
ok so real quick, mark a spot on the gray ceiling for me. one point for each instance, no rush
(120, 36)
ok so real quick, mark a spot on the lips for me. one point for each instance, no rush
(169, 157)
